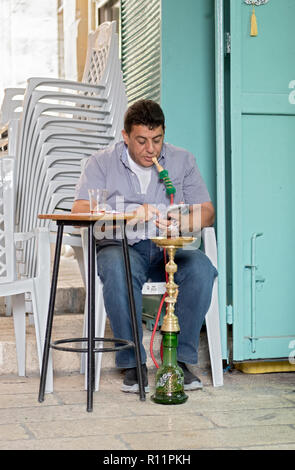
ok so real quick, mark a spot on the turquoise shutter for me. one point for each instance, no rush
(141, 48)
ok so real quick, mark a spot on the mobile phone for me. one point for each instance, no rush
(180, 208)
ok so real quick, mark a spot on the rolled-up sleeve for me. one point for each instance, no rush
(194, 187)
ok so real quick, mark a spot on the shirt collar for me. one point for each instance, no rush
(124, 157)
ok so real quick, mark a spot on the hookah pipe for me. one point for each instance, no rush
(170, 191)
(169, 377)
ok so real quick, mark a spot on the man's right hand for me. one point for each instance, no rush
(144, 213)
(81, 206)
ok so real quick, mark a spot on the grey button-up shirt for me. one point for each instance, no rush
(109, 169)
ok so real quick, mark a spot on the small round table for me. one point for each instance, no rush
(89, 220)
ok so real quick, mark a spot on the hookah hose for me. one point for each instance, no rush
(156, 324)
(170, 190)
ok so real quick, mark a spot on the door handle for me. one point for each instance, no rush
(254, 280)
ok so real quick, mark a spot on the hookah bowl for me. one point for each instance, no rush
(169, 376)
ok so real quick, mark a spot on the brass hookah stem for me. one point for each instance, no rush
(170, 320)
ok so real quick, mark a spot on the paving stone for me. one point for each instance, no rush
(218, 438)
(257, 417)
(85, 443)
(9, 432)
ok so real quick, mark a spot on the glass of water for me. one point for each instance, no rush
(97, 200)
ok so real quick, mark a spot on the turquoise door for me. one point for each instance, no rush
(263, 180)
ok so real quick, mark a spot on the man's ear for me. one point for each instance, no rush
(125, 136)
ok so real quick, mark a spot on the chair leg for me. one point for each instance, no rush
(40, 306)
(213, 335)
(84, 240)
(78, 250)
(19, 319)
(84, 334)
(100, 320)
(99, 332)
(8, 306)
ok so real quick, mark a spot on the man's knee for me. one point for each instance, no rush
(110, 265)
(110, 262)
(196, 267)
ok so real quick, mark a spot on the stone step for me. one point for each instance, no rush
(71, 326)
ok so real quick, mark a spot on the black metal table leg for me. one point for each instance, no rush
(50, 313)
(91, 318)
(133, 313)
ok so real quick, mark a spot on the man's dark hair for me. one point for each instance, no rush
(146, 113)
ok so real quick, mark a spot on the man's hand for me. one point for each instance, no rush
(200, 215)
(144, 213)
(81, 206)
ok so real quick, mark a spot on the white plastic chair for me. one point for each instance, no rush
(212, 317)
(37, 286)
(11, 107)
(99, 40)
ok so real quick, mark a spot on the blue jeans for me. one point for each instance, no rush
(195, 276)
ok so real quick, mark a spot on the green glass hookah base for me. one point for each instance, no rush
(169, 386)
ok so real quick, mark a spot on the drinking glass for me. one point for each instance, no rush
(97, 200)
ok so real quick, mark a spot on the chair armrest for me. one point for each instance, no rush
(23, 236)
(43, 246)
(43, 251)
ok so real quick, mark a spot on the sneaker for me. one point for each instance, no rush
(191, 381)
(130, 382)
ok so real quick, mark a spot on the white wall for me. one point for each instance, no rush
(70, 39)
(28, 41)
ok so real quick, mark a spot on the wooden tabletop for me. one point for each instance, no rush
(86, 217)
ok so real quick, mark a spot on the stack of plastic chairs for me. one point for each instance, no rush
(11, 107)
(78, 118)
(61, 124)
(15, 284)
(10, 112)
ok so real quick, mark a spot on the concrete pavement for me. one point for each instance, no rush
(248, 412)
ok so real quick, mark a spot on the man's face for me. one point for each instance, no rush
(144, 144)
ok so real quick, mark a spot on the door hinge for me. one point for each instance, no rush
(227, 44)
(229, 314)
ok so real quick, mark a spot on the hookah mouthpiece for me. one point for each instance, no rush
(163, 175)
